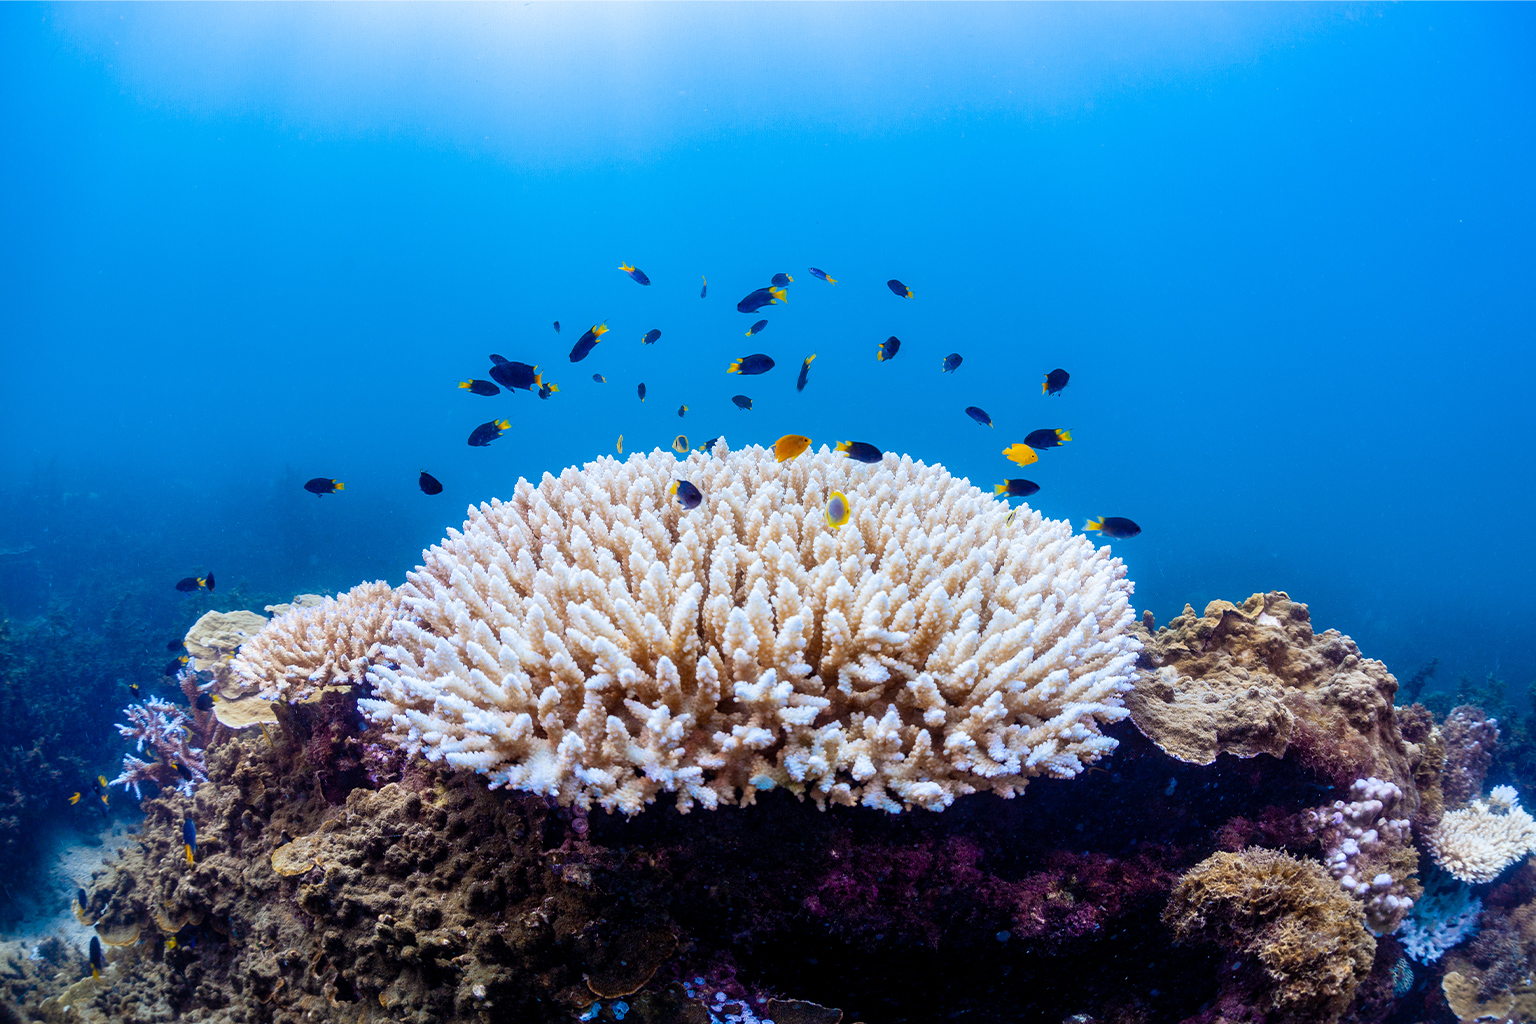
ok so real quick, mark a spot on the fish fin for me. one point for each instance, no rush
(1095, 524)
(75, 799)
(735, 367)
(779, 294)
(830, 280)
(843, 446)
(999, 489)
(1064, 435)
(339, 485)
(749, 332)
(811, 357)
(189, 852)
(466, 384)
(625, 267)
(1045, 387)
(791, 279)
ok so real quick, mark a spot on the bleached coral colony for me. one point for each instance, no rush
(592, 640)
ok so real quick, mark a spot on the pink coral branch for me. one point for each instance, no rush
(166, 728)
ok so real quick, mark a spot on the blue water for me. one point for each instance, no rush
(1284, 252)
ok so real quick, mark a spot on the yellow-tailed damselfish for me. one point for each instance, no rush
(181, 769)
(760, 298)
(688, 495)
(780, 280)
(641, 391)
(703, 291)
(821, 275)
(546, 389)
(636, 275)
(680, 444)
(751, 365)
(518, 376)
(320, 485)
(192, 583)
(756, 327)
(485, 433)
(682, 411)
(837, 510)
(805, 373)
(979, 415)
(742, 402)
(203, 702)
(901, 290)
(1022, 454)
(952, 362)
(888, 348)
(133, 688)
(1113, 526)
(175, 645)
(1054, 382)
(480, 387)
(1016, 488)
(619, 445)
(189, 837)
(98, 962)
(557, 326)
(587, 342)
(652, 336)
(599, 378)
(789, 446)
(860, 451)
(174, 665)
(1047, 438)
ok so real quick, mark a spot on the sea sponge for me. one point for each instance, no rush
(310, 648)
(1309, 938)
(1253, 678)
(593, 640)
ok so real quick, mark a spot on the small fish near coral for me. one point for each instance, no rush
(480, 387)
(321, 486)
(900, 290)
(789, 446)
(780, 280)
(821, 275)
(860, 451)
(756, 327)
(805, 373)
(203, 702)
(682, 411)
(635, 274)
(762, 297)
(837, 510)
(703, 291)
(680, 444)
(587, 342)
(517, 376)
(173, 666)
(429, 484)
(640, 390)
(1016, 488)
(192, 584)
(652, 336)
(1047, 438)
(189, 837)
(952, 362)
(98, 961)
(1022, 454)
(557, 326)
(485, 433)
(1054, 382)
(742, 402)
(687, 494)
(888, 349)
(1113, 526)
(979, 415)
(546, 389)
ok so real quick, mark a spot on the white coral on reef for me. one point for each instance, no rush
(594, 641)
(1478, 842)
(167, 730)
(312, 646)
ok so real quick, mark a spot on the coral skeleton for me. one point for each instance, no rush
(1478, 842)
(313, 646)
(1445, 916)
(594, 641)
(168, 731)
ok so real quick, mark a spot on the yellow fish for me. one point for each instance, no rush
(680, 444)
(620, 445)
(837, 510)
(1023, 454)
(789, 446)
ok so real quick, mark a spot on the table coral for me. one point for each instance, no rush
(1308, 936)
(593, 640)
(1254, 678)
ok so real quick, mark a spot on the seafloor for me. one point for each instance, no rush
(335, 881)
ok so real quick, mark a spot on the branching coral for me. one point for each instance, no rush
(167, 730)
(595, 641)
(1309, 937)
(1443, 917)
(1478, 842)
(310, 647)
(1370, 852)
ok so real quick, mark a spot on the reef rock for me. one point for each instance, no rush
(1254, 679)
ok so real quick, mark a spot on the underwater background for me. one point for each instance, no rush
(1285, 252)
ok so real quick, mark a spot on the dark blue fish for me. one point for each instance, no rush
(1113, 526)
(952, 362)
(516, 375)
(888, 349)
(189, 837)
(760, 298)
(192, 583)
(546, 389)
(704, 290)
(638, 276)
(203, 702)
(709, 446)
(587, 342)
(860, 451)
(1015, 488)
(742, 402)
(682, 411)
(600, 378)
(485, 433)
(688, 495)
(805, 373)
(174, 665)
(751, 365)
(651, 336)
(557, 326)
(641, 392)
(429, 484)
(1047, 438)
(98, 962)
(780, 280)
(480, 387)
(756, 327)
(499, 359)
(900, 289)
(320, 485)
(979, 415)
(820, 274)
(1054, 382)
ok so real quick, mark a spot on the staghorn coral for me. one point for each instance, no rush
(1254, 678)
(1308, 936)
(167, 730)
(1478, 842)
(594, 641)
(311, 647)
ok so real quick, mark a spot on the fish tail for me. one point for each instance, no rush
(466, 384)
(779, 294)
(1095, 524)
(830, 280)
(1045, 387)
(1065, 435)
(749, 333)
(735, 367)
(339, 485)
(188, 848)
(999, 488)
